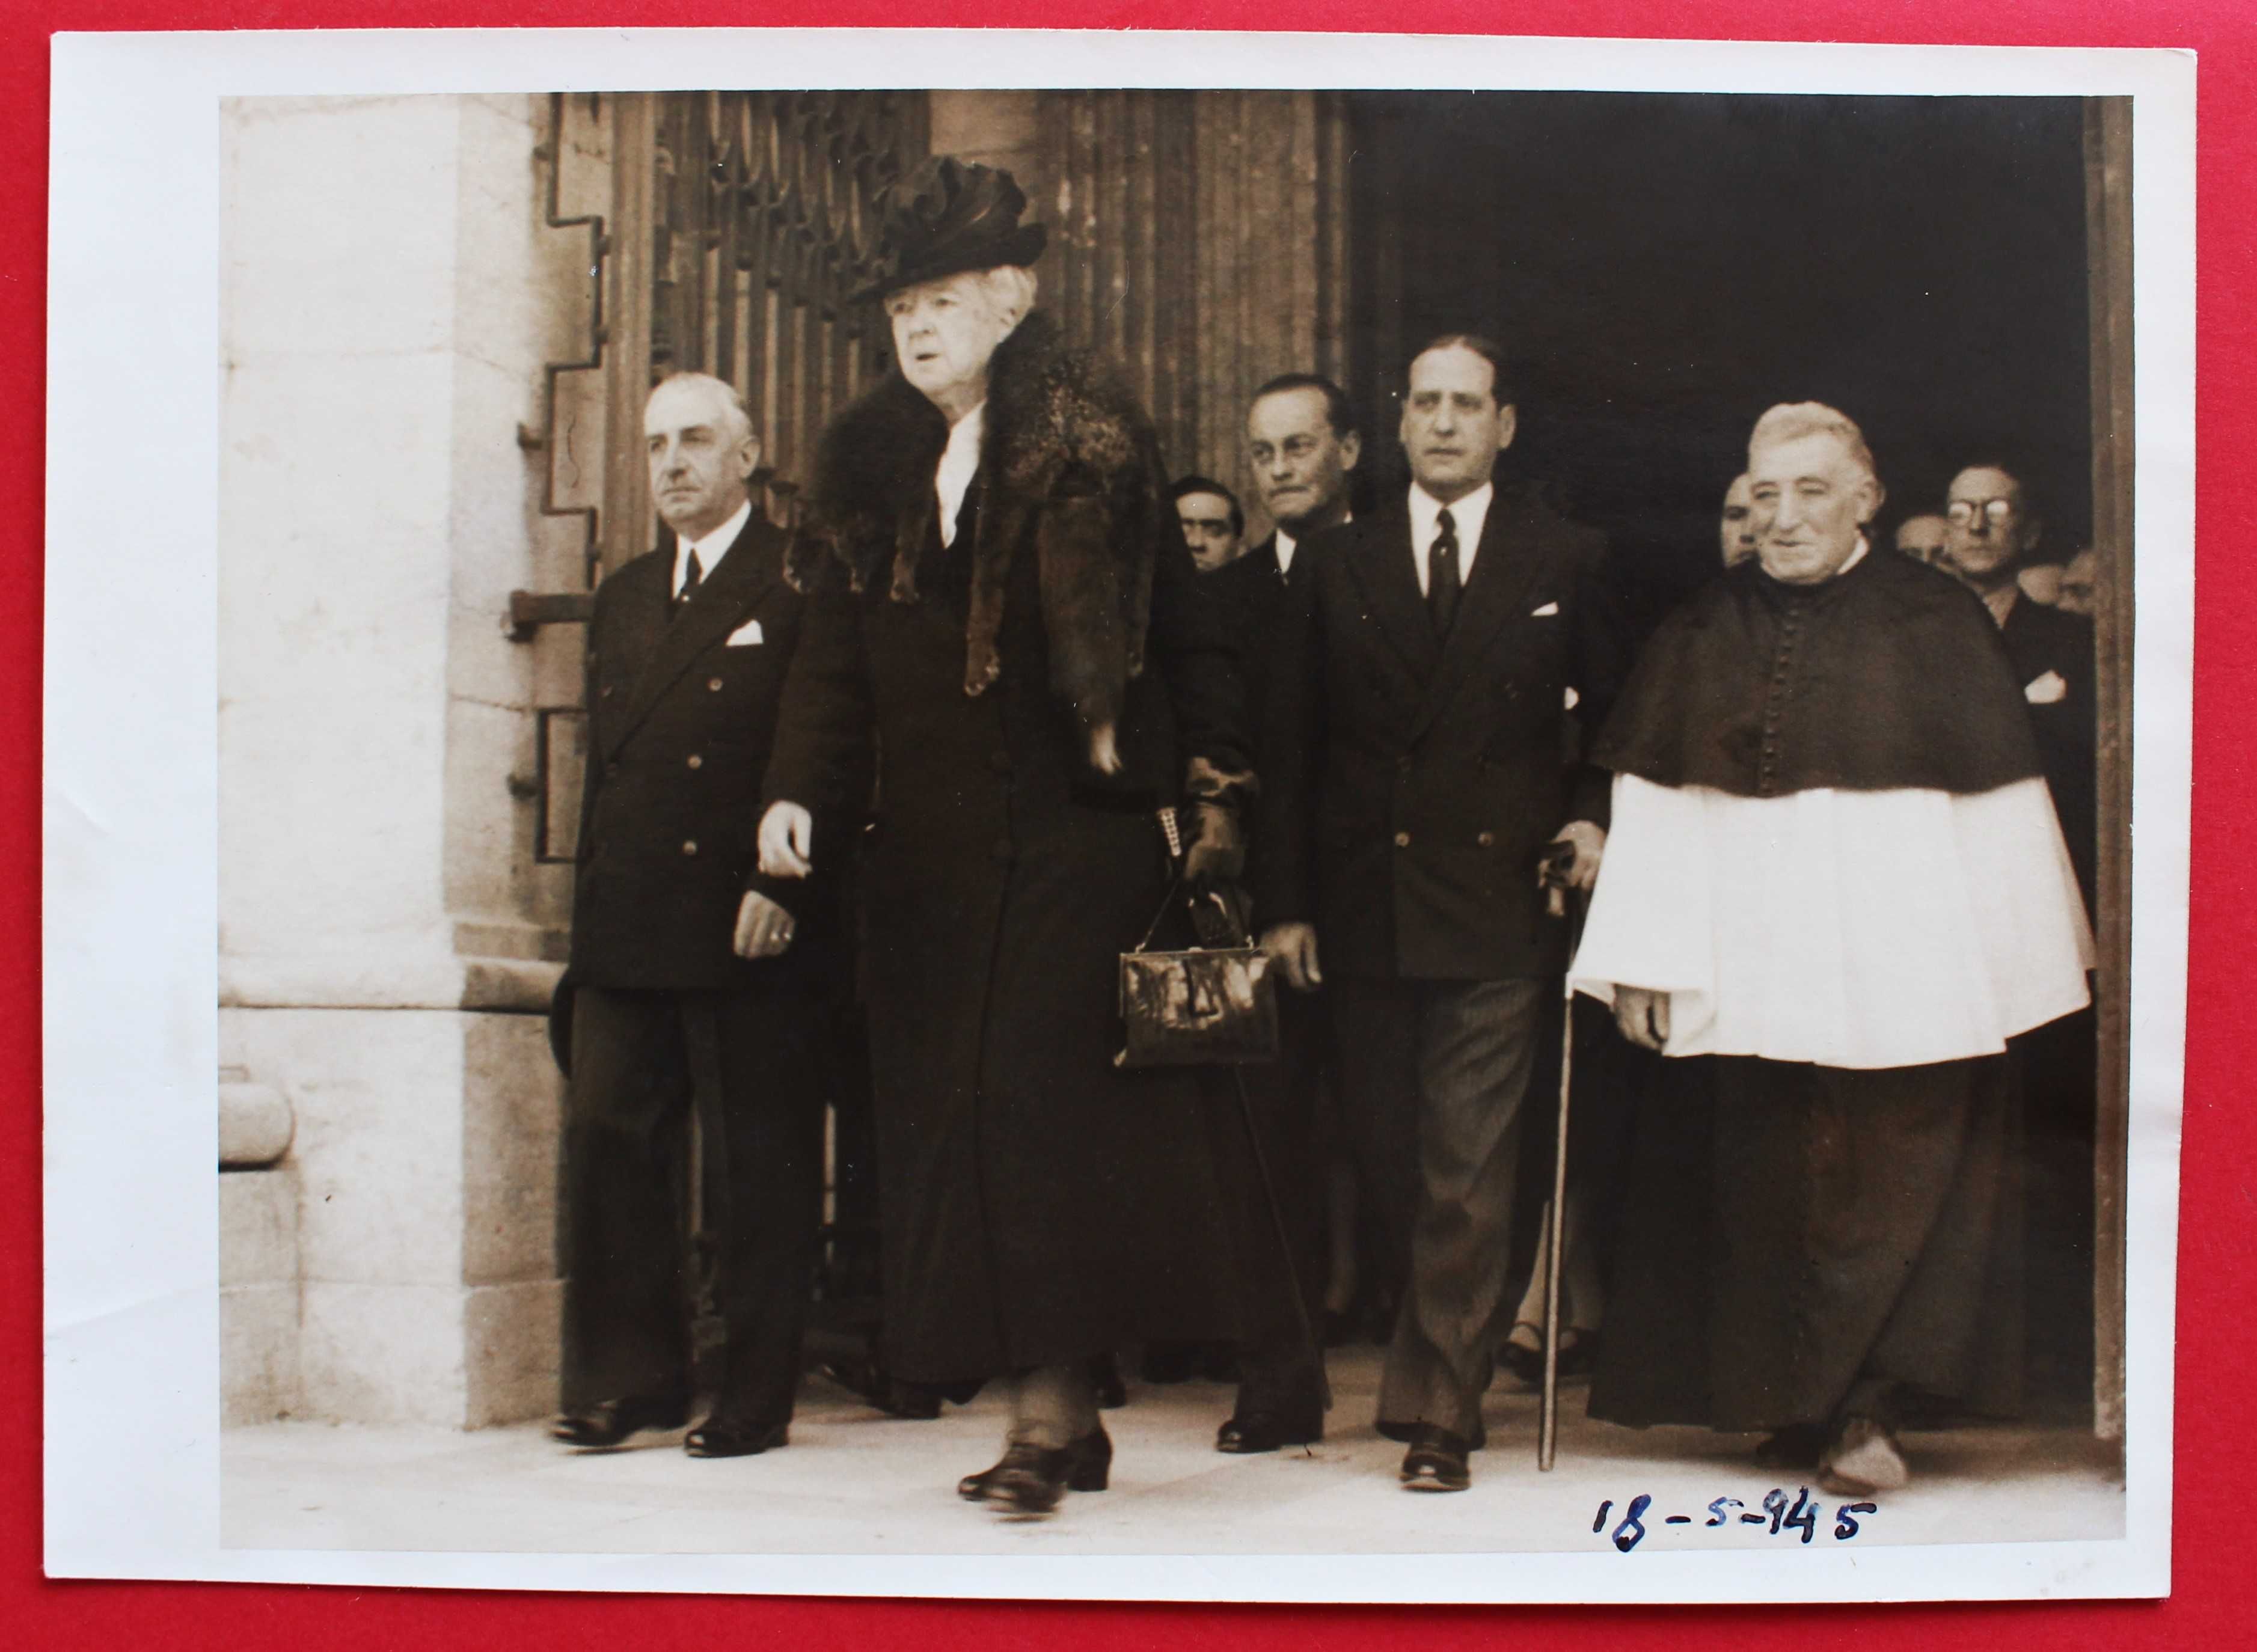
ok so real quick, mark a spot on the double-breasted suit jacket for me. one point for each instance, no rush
(682, 712)
(1410, 782)
(659, 1017)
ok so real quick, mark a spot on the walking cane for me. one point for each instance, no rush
(1565, 904)
(1310, 1347)
(1225, 920)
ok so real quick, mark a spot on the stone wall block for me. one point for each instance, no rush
(258, 1227)
(378, 1098)
(511, 1335)
(383, 1353)
(342, 232)
(255, 1125)
(512, 1110)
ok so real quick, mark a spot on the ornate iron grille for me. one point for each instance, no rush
(765, 223)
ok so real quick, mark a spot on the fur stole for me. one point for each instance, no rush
(1072, 474)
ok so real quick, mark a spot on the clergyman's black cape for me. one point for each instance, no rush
(1889, 675)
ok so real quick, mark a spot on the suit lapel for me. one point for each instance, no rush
(1505, 571)
(1380, 562)
(716, 609)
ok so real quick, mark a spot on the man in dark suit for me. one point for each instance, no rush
(1414, 781)
(1993, 525)
(1301, 445)
(664, 1004)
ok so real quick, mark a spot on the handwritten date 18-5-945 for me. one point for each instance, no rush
(1798, 1518)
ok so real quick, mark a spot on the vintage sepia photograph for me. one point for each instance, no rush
(1113, 821)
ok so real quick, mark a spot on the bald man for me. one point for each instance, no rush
(687, 654)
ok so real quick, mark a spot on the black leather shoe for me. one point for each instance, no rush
(608, 1422)
(1086, 1466)
(881, 1388)
(1436, 1462)
(1798, 1446)
(1407, 1433)
(729, 1437)
(1248, 1432)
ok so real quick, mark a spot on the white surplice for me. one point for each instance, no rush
(1885, 928)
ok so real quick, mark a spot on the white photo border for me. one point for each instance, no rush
(131, 794)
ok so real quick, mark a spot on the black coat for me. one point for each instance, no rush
(680, 725)
(1409, 787)
(1038, 1204)
(1251, 595)
(2040, 639)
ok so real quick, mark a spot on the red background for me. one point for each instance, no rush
(2217, 1254)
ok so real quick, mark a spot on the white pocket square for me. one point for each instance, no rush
(1546, 612)
(747, 635)
(2046, 690)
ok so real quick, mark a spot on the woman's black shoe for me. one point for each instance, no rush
(1027, 1474)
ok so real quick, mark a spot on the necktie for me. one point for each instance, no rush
(1442, 584)
(691, 575)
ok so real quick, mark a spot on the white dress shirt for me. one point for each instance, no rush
(959, 462)
(710, 549)
(1287, 544)
(1467, 516)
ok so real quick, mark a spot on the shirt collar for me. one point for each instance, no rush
(1467, 516)
(712, 548)
(1287, 544)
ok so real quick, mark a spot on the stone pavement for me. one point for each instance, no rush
(854, 1481)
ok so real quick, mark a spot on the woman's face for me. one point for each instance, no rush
(943, 333)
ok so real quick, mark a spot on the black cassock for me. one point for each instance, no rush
(1803, 1241)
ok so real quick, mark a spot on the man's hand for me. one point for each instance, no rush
(764, 929)
(1590, 842)
(786, 839)
(1104, 749)
(1643, 1015)
(1293, 947)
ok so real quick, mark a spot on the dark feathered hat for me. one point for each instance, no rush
(948, 216)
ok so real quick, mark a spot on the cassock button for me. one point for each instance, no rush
(713, 683)
(1403, 840)
(1403, 763)
(689, 846)
(1487, 840)
(999, 760)
(696, 761)
(1002, 852)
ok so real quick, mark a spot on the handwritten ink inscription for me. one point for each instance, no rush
(1798, 1518)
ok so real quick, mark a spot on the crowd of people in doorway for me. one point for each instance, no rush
(1813, 860)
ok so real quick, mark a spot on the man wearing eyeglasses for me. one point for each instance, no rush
(1991, 526)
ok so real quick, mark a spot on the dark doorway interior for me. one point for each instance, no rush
(1669, 265)
(1663, 268)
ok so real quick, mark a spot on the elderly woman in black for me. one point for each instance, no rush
(1004, 603)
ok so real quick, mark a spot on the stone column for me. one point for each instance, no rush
(389, 295)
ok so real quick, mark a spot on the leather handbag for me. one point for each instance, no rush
(1215, 1004)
